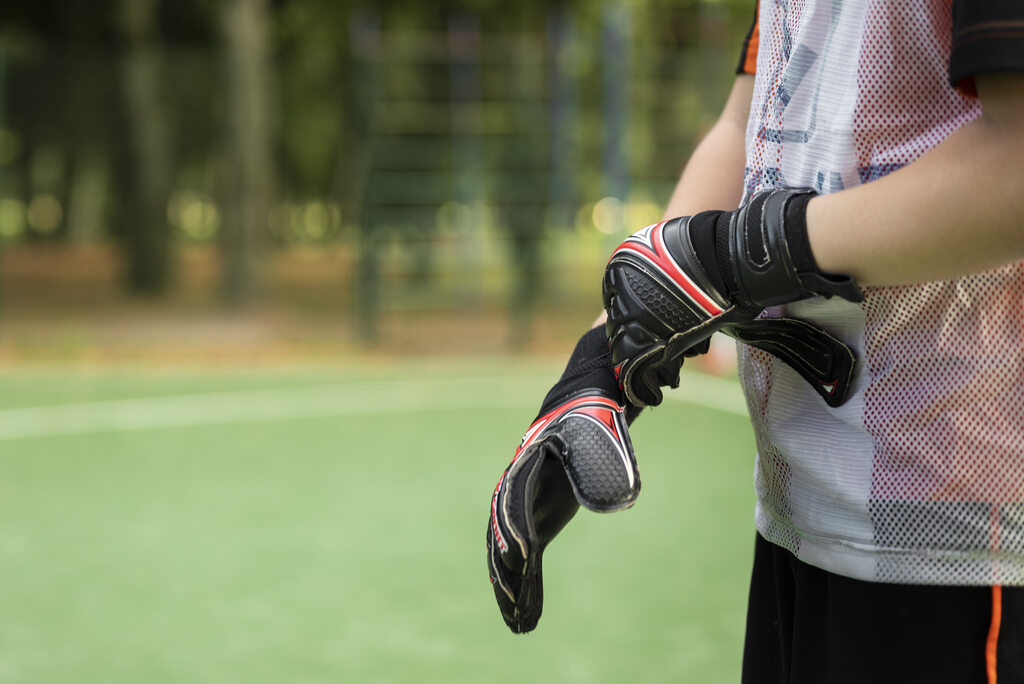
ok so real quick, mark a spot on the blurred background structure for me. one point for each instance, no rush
(282, 282)
(322, 177)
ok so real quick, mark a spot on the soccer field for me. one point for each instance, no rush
(327, 525)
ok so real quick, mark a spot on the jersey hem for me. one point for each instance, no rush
(869, 563)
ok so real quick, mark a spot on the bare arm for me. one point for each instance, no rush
(957, 210)
(713, 176)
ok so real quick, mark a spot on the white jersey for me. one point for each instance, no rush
(919, 477)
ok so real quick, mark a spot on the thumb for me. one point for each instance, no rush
(598, 457)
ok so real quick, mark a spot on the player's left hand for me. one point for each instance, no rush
(576, 452)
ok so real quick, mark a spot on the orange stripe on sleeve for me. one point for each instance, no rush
(993, 633)
(753, 40)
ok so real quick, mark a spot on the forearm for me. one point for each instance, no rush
(957, 210)
(713, 175)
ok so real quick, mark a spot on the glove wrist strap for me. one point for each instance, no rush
(770, 255)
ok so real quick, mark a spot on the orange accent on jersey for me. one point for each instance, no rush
(993, 633)
(750, 56)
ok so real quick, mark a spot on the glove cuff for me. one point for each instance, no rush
(813, 278)
(770, 255)
(589, 368)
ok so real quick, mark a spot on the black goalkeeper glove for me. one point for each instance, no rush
(576, 452)
(670, 286)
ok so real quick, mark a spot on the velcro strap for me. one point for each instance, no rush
(824, 361)
(759, 255)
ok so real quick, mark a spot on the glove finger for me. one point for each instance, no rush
(647, 387)
(503, 583)
(642, 379)
(634, 378)
(519, 597)
(668, 373)
(519, 530)
(698, 349)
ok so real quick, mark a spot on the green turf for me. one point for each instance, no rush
(351, 548)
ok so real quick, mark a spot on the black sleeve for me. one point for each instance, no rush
(988, 35)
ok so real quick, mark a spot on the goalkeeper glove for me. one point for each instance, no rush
(576, 452)
(669, 286)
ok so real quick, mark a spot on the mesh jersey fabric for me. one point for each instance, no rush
(919, 477)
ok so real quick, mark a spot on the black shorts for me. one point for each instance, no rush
(807, 625)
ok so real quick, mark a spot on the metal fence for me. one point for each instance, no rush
(468, 167)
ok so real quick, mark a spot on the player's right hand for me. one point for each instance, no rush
(576, 452)
(670, 286)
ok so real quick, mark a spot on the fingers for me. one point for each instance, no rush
(520, 597)
(642, 379)
(526, 512)
(640, 387)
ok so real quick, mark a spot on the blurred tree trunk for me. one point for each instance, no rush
(147, 234)
(3, 120)
(563, 113)
(615, 48)
(249, 178)
(365, 32)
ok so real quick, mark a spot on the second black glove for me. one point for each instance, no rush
(576, 452)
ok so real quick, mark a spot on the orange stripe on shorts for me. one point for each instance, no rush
(993, 633)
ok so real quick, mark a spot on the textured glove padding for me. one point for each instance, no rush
(671, 285)
(576, 452)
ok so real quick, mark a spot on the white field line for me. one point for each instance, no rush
(342, 399)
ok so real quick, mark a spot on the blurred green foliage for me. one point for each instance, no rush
(253, 125)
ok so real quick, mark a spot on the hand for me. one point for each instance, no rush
(670, 286)
(576, 452)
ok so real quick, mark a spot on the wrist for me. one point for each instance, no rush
(771, 257)
(589, 368)
(819, 281)
(827, 254)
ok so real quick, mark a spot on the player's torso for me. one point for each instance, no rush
(848, 91)
(929, 452)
